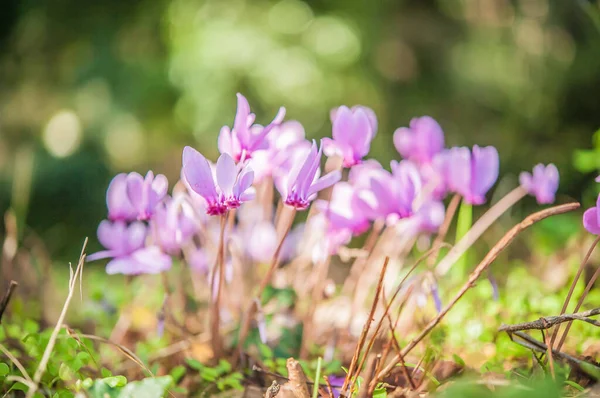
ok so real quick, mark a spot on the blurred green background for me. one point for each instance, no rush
(89, 89)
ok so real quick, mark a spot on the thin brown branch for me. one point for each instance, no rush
(588, 287)
(573, 284)
(6, 299)
(483, 265)
(351, 377)
(550, 321)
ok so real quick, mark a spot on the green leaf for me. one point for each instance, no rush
(177, 373)
(590, 369)
(4, 369)
(574, 385)
(105, 372)
(194, 363)
(115, 381)
(458, 360)
(148, 388)
(225, 366)
(65, 372)
(380, 393)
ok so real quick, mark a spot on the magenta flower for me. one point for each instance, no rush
(245, 138)
(344, 211)
(146, 193)
(430, 216)
(229, 191)
(472, 174)
(421, 141)
(300, 186)
(353, 130)
(391, 196)
(591, 218)
(125, 245)
(542, 184)
(172, 226)
(283, 140)
(117, 200)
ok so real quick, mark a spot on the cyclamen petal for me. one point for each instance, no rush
(590, 221)
(198, 173)
(117, 200)
(145, 193)
(542, 184)
(226, 174)
(472, 174)
(352, 132)
(421, 141)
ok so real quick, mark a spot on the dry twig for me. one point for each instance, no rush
(6, 298)
(487, 260)
(48, 351)
(549, 321)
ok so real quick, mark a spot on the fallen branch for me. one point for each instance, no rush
(550, 321)
(483, 265)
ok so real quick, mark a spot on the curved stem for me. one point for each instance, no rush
(479, 227)
(571, 289)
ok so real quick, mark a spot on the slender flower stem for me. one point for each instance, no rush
(220, 266)
(463, 225)
(572, 288)
(249, 315)
(480, 226)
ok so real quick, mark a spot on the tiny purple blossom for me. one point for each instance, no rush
(591, 218)
(421, 141)
(125, 245)
(352, 132)
(117, 200)
(343, 210)
(226, 190)
(472, 174)
(145, 193)
(542, 184)
(245, 137)
(300, 186)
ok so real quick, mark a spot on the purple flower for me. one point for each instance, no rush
(231, 188)
(542, 184)
(430, 216)
(421, 141)
(282, 141)
(353, 130)
(145, 193)
(300, 186)
(125, 245)
(344, 210)
(472, 174)
(245, 138)
(591, 218)
(172, 226)
(117, 200)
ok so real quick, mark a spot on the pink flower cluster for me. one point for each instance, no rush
(146, 227)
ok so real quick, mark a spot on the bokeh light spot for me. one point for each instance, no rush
(290, 16)
(62, 134)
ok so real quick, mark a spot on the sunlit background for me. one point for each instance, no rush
(89, 89)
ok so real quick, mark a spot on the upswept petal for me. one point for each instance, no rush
(112, 235)
(160, 186)
(244, 181)
(226, 172)
(526, 181)
(360, 140)
(325, 182)
(591, 221)
(240, 123)
(342, 124)
(135, 190)
(117, 200)
(304, 178)
(136, 235)
(485, 168)
(224, 141)
(459, 170)
(198, 174)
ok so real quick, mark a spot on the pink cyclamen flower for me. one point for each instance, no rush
(246, 137)
(472, 174)
(352, 132)
(421, 141)
(344, 211)
(146, 193)
(125, 245)
(542, 184)
(391, 196)
(227, 191)
(173, 225)
(300, 186)
(591, 218)
(117, 200)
